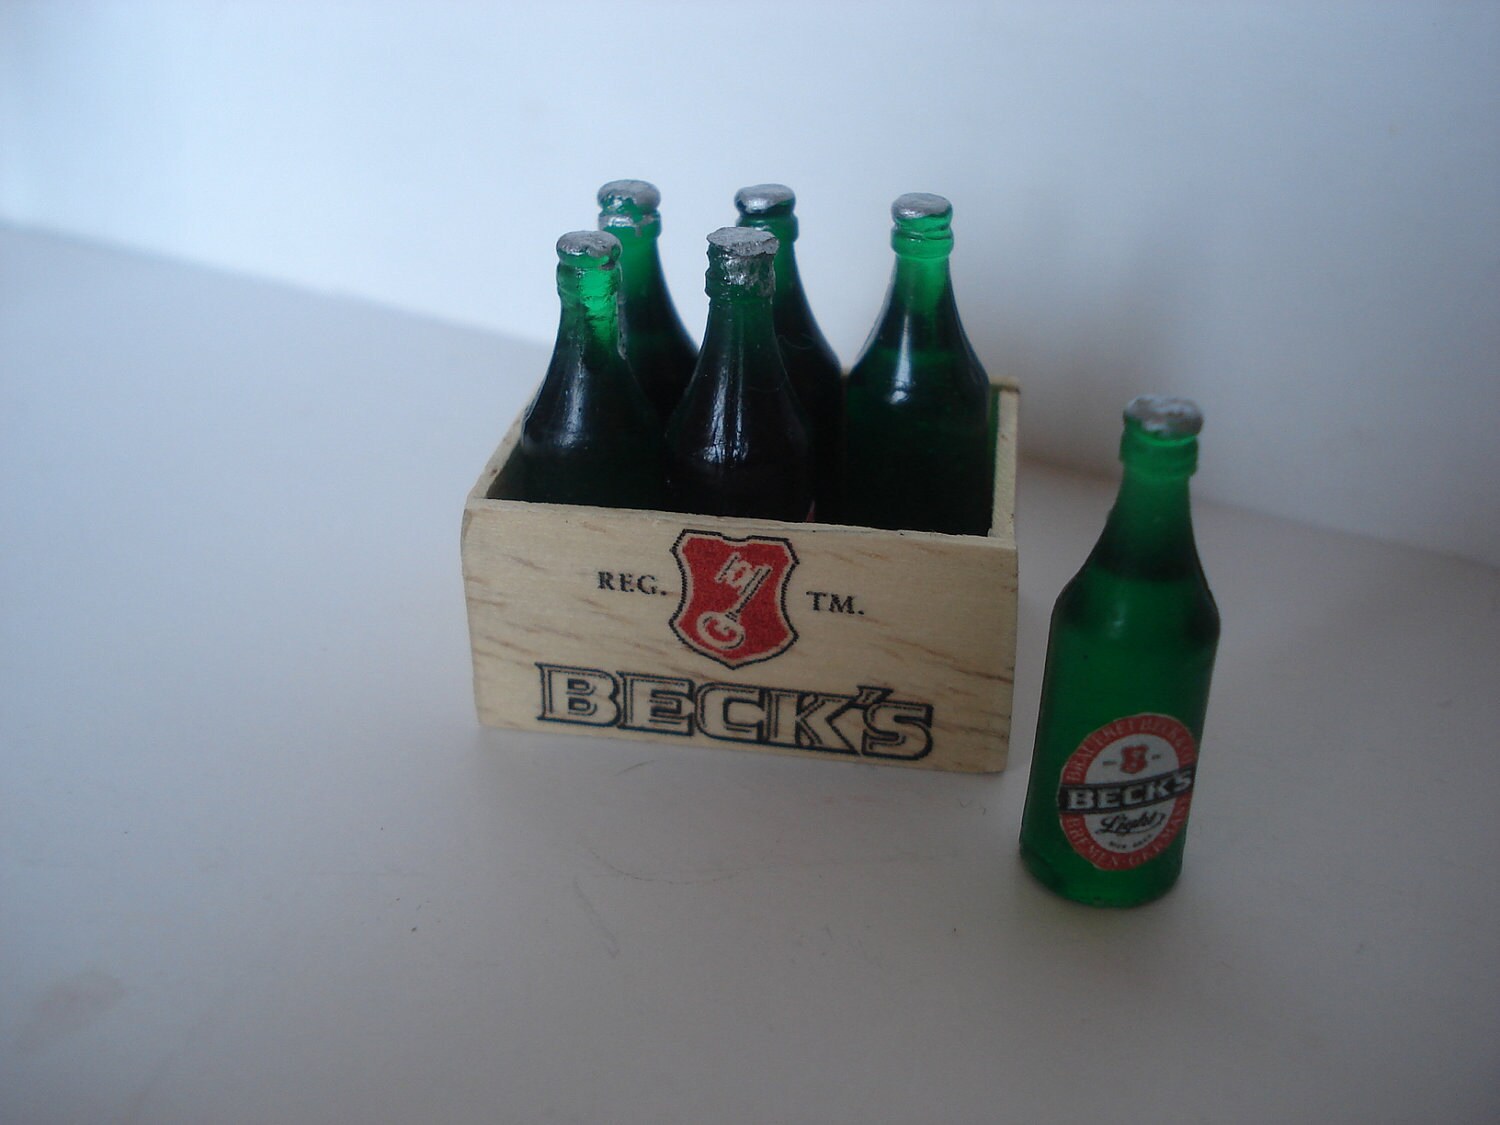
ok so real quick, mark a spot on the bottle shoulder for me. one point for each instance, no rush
(897, 376)
(720, 419)
(1111, 605)
(905, 358)
(586, 399)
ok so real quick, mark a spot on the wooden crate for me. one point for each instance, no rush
(811, 639)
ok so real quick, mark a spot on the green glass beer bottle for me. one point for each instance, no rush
(657, 346)
(1129, 658)
(590, 436)
(737, 444)
(810, 363)
(918, 401)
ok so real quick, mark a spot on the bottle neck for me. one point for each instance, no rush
(1149, 533)
(922, 285)
(920, 314)
(590, 319)
(640, 262)
(740, 332)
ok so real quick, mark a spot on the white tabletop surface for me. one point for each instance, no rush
(258, 863)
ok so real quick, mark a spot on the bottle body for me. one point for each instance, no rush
(918, 430)
(812, 367)
(737, 444)
(590, 436)
(657, 346)
(1130, 656)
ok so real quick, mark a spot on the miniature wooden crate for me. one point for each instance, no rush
(818, 640)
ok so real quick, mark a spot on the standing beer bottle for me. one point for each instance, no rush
(1129, 660)
(590, 436)
(918, 400)
(657, 346)
(810, 362)
(737, 444)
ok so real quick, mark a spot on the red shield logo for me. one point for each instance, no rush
(733, 606)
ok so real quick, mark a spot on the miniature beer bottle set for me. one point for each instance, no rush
(664, 548)
(744, 609)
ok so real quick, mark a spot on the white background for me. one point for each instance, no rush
(1290, 211)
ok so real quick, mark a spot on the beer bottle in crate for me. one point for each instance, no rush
(1129, 658)
(657, 346)
(918, 400)
(737, 444)
(810, 362)
(590, 436)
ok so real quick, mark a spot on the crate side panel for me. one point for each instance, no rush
(882, 626)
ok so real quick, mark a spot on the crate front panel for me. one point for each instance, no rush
(832, 642)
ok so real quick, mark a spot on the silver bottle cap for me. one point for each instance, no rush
(918, 205)
(1165, 416)
(639, 194)
(770, 200)
(586, 248)
(743, 257)
(743, 242)
(629, 203)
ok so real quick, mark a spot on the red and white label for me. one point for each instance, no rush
(1125, 792)
(733, 607)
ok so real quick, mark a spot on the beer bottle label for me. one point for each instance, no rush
(1125, 792)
